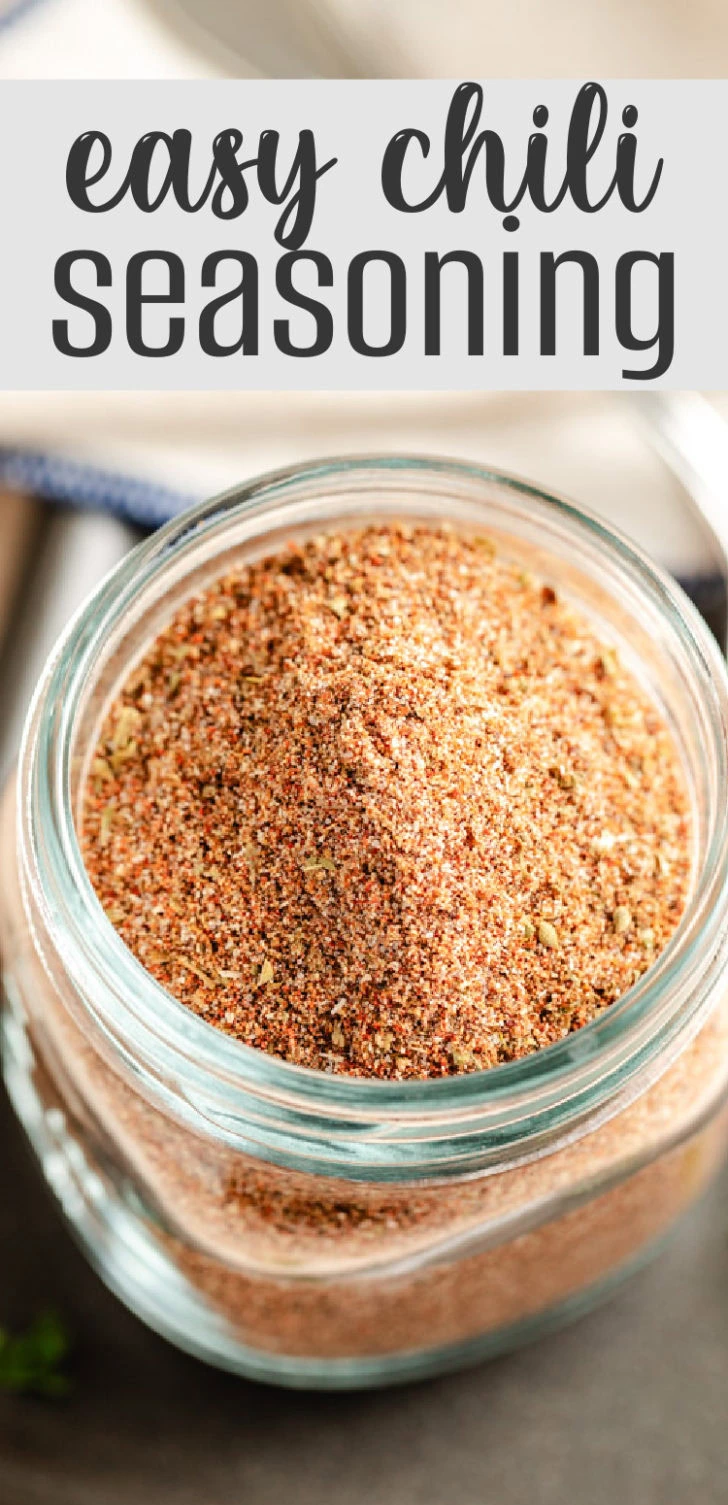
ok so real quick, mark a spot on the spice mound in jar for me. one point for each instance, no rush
(382, 804)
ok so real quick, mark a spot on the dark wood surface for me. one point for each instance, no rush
(629, 1407)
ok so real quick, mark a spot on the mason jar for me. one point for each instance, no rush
(329, 1231)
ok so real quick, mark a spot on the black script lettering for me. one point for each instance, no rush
(464, 146)
(225, 187)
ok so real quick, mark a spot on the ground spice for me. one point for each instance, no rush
(382, 804)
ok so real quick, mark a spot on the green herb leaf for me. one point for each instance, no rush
(30, 1362)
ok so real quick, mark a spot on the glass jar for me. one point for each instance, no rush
(331, 1231)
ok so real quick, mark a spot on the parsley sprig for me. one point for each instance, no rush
(31, 1362)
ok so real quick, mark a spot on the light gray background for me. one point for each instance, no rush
(680, 121)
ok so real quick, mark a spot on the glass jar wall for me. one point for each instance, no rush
(331, 1231)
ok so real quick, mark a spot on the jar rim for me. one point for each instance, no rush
(138, 1013)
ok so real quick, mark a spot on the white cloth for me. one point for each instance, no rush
(435, 38)
(94, 39)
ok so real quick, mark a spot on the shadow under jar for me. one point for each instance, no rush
(333, 1231)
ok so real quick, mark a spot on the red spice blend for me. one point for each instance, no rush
(382, 804)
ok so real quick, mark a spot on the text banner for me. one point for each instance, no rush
(394, 234)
